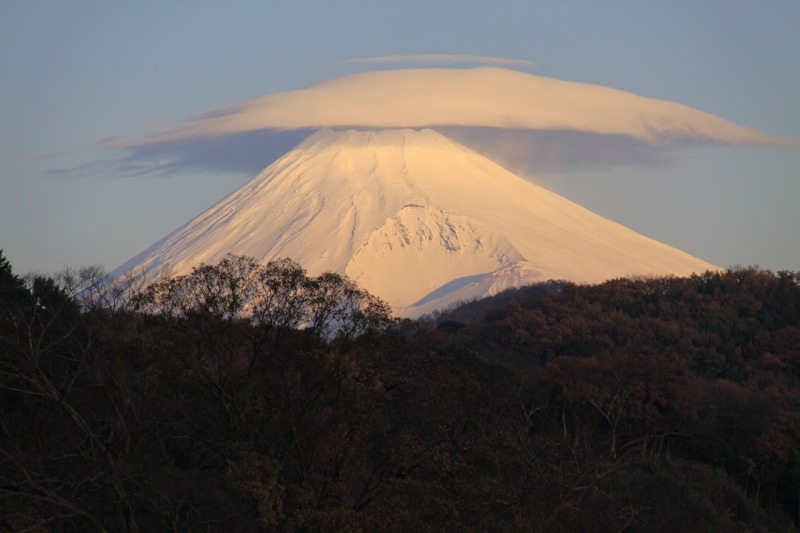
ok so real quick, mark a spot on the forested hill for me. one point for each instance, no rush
(257, 398)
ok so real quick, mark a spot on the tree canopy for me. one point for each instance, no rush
(248, 397)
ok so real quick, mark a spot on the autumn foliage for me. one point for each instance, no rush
(246, 397)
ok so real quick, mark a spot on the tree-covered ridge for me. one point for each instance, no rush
(243, 397)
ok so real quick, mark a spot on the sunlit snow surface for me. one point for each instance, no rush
(414, 218)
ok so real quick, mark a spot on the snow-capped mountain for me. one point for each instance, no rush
(415, 219)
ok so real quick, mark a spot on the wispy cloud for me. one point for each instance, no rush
(244, 153)
(36, 156)
(532, 153)
(438, 58)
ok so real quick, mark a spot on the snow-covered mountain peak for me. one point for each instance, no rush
(385, 146)
(451, 243)
(415, 218)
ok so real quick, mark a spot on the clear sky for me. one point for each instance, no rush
(76, 73)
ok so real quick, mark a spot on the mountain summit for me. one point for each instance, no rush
(415, 219)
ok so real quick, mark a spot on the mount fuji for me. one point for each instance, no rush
(414, 218)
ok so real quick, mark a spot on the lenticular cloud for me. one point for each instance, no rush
(485, 97)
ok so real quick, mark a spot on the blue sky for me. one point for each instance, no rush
(75, 73)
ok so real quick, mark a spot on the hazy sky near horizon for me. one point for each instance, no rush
(79, 75)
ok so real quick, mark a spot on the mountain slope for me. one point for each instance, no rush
(416, 219)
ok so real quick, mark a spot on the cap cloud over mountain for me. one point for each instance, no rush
(527, 122)
(488, 97)
(413, 217)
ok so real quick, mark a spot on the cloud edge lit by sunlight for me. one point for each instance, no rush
(487, 97)
(437, 58)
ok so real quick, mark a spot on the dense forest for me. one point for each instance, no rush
(243, 397)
